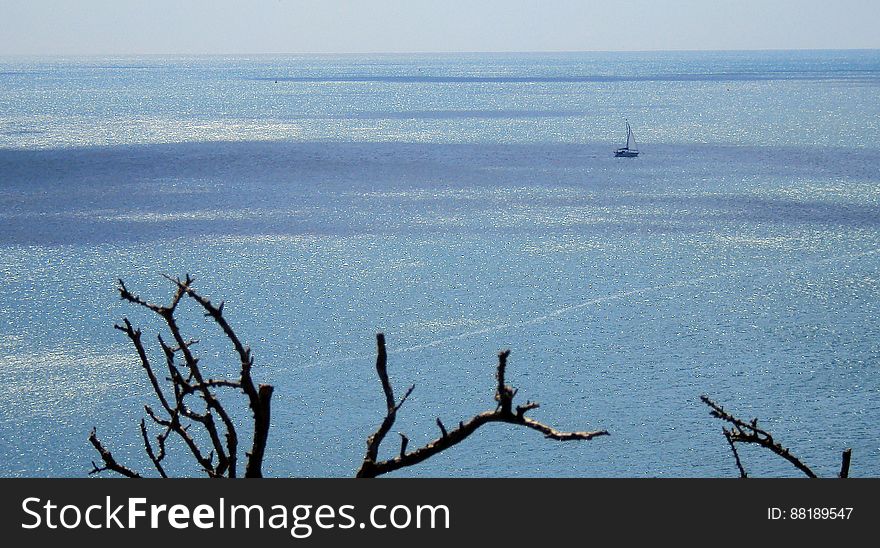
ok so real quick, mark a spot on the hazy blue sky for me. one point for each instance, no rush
(291, 26)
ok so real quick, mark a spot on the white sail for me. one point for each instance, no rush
(630, 138)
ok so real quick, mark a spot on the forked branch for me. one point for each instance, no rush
(110, 463)
(749, 432)
(185, 381)
(504, 412)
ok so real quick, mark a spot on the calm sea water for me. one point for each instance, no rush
(461, 204)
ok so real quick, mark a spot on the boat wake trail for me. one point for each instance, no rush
(566, 310)
(548, 316)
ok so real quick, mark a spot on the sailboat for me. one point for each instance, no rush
(630, 150)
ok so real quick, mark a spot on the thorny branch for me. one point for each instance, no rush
(186, 379)
(732, 444)
(109, 461)
(749, 432)
(504, 412)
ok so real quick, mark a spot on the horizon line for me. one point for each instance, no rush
(426, 52)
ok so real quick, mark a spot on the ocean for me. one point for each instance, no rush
(461, 204)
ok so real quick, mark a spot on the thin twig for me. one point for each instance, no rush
(748, 432)
(157, 459)
(110, 462)
(730, 442)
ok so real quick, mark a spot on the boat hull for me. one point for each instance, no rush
(625, 153)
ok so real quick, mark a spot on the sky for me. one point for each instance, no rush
(121, 27)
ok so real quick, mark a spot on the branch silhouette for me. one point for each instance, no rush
(749, 432)
(504, 412)
(186, 381)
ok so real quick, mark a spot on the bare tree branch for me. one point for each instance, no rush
(372, 467)
(261, 432)
(374, 441)
(186, 380)
(748, 432)
(109, 461)
(135, 336)
(403, 443)
(730, 442)
(148, 447)
(258, 396)
(173, 424)
(844, 463)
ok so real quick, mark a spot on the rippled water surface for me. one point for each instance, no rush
(461, 204)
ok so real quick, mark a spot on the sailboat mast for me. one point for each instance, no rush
(629, 150)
